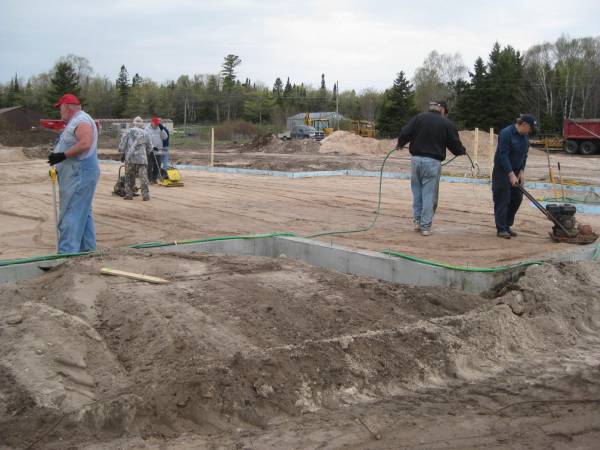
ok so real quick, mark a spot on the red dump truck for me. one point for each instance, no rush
(581, 136)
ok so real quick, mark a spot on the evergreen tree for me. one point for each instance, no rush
(13, 94)
(287, 91)
(228, 71)
(229, 78)
(122, 85)
(323, 100)
(63, 81)
(397, 108)
(473, 103)
(136, 80)
(504, 86)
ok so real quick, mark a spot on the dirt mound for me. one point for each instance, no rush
(28, 138)
(259, 142)
(346, 143)
(241, 341)
(272, 144)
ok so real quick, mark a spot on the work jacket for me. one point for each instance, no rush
(429, 134)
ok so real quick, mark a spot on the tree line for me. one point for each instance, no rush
(550, 80)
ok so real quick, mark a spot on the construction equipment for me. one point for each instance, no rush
(169, 177)
(565, 229)
(119, 188)
(364, 128)
(323, 125)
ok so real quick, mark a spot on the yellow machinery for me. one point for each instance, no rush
(364, 128)
(323, 125)
(170, 177)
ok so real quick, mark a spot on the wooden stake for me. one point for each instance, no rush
(135, 276)
(491, 152)
(212, 147)
(476, 149)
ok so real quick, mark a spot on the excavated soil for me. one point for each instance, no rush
(250, 352)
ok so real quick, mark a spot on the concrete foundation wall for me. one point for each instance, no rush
(338, 258)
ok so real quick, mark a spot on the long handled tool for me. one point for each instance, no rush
(544, 211)
(562, 187)
(565, 227)
(52, 173)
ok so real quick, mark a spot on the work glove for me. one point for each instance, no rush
(122, 158)
(155, 149)
(55, 158)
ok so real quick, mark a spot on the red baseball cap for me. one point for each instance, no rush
(155, 120)
(67, 99)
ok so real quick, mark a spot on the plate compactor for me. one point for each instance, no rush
(169, 177)
(119, 188)
(566, 228)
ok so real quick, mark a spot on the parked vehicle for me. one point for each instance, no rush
(578, 136)
(581, 136)
(306, 132)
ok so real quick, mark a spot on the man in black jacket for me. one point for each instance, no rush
(429, 134)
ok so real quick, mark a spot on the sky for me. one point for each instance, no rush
(362, 44)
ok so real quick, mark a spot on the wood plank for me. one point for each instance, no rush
(135, 276)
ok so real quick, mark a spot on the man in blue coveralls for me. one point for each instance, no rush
(78, 171)
(509, 170)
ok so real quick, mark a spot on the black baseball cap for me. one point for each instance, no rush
(439, 103)
(529, 119)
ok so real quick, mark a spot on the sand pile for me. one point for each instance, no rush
(241, 342)
(346, 143)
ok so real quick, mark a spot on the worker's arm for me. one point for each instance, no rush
(163, 134)
(521, 175)
(502, 152)
(148, 143)
(454, 143)
(406, 133)
(123, 143)
(85, 136)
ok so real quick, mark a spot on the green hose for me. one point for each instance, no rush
(378, 211)
(372, 224)
(462, 268)
(10, 262)
(199, 241)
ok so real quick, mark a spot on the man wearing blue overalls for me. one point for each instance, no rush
(509, 170)
(78, 171)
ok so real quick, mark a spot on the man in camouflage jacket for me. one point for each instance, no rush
(134, 145)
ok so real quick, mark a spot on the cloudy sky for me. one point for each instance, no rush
(360, 43)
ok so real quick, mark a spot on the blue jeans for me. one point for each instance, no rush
(77, 184)
(165, 158)
(425, 183)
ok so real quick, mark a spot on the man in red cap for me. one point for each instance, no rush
(78, 171)
(157, 136)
